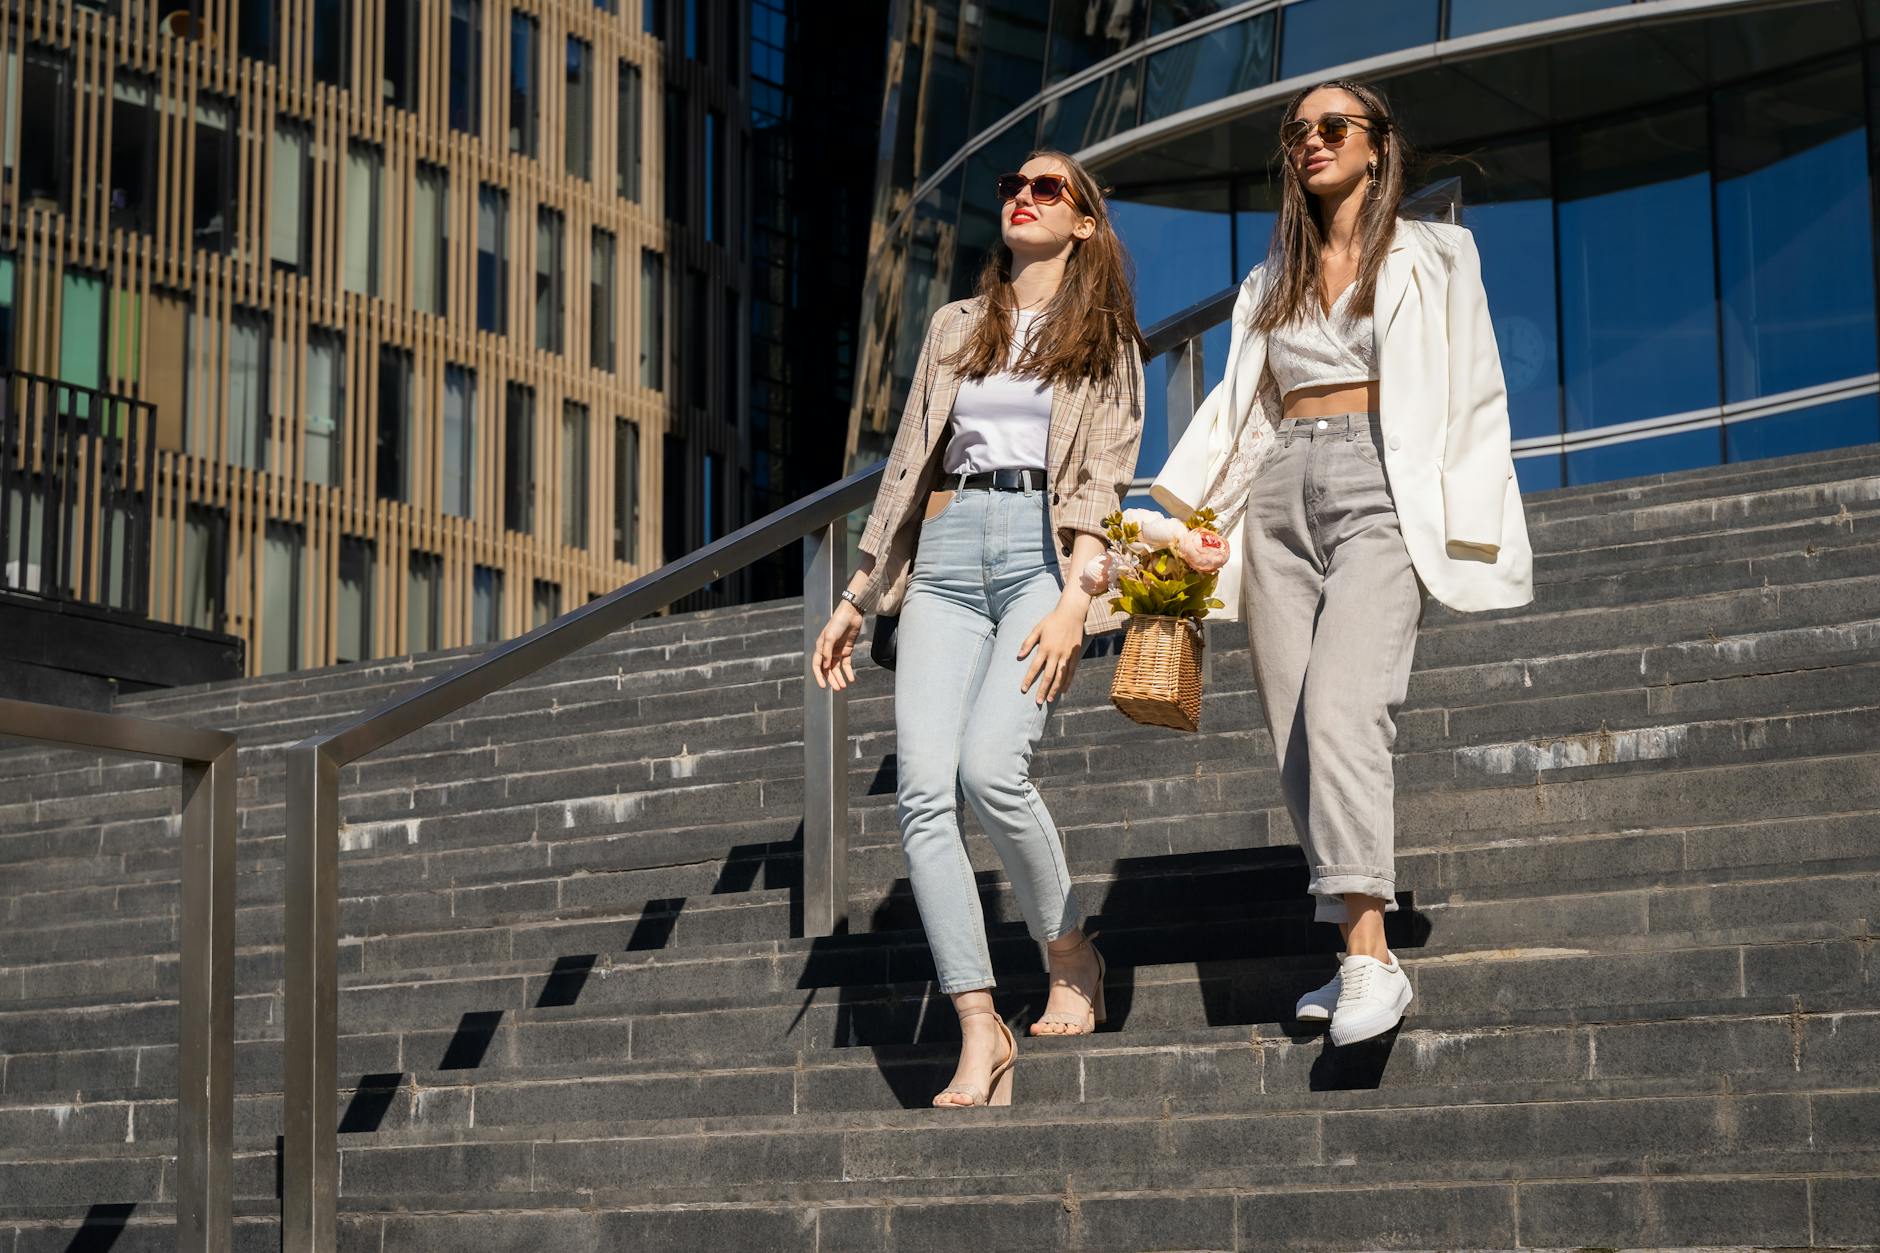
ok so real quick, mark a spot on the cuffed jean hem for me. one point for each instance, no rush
(1330, 885)
(976, 983)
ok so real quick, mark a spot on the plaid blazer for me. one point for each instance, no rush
(1092, 443)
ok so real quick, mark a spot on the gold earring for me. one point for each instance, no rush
(1377, 188)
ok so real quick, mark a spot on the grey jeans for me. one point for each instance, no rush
(984, 575)
(1333, 607)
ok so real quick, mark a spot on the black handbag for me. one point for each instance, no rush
(881, 648)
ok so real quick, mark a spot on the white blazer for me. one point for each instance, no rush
(1444, 418)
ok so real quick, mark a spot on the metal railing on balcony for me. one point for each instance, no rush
(77, 476)
(205, 1086)
(310, 1115)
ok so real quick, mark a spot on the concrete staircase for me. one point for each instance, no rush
(1639, 832)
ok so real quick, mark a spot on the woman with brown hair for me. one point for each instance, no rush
(1361, 429)
(1019, 436)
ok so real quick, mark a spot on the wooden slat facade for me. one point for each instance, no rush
(172, 303)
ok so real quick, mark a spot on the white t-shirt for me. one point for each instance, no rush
(1000, 422)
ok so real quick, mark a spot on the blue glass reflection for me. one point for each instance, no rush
(1836, 425)
(1093, 112)
(1516, 240)
(1318, 34)
(1471, 17)
(1684, 451)
(1796, 243)
(1637, 294)
(1221, 63)
(1539, 474)
(1253, 238)
(1181, 255)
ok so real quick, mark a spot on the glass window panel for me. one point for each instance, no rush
(459, 470)
(1006, 41)
(1093, 112)
(214, 208)
(979, 203)
(1796, 313)
(365, 173)
(353, 637)
(574, 475)
(1508, 206)
(1471, 17)
(291, 198)
(1836, 425)
(1222, 62)
(1638, 302)
(524, 92)
(424, 603)
(1319, 34)
(1166, 15)
(248, 389)
(202, 385)
(1083, 34)
(7, 311)
(673, 515)
(677, 169)
(10, 123)
(394, 423)
(1540, 474)
(691, 29)
(698, 340)
(256, 22)
(1661, 455)
(401, 53)
(429, 215)
(601, 303)
(549, 303)
(708, 511)
(519, 459)
(579, 132)
(628, 171)
(486, 605)
(331, 37)
(205, 567)
(547, 603)
(652, 320)
(466, 66)
(714, 223)
(492, 260)
(46, 160)
(326, 404)
(127, 335)
(281, 592)
(626, 490)
(81, 331)
(133, 153)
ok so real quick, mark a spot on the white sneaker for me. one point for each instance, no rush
(1316, 1006)
(1371, 1001)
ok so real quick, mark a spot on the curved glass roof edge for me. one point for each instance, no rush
(1546, 30)
(1467, 47)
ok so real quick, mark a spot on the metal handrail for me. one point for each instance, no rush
(205, 1096)
(310, 1168)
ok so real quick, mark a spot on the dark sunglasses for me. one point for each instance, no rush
(1333, 128)
(1045, 188)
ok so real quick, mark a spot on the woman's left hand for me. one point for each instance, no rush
(1055, 646)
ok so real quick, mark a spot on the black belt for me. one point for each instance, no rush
(997, 481)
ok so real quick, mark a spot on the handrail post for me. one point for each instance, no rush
(309, 1090)
(1185, 389)
(205, 1131)
(825, 744)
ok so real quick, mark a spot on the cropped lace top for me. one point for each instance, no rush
(1320, 349)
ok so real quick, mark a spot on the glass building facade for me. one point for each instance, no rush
(1674, 203)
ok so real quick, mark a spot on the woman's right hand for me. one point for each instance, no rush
(833, 665)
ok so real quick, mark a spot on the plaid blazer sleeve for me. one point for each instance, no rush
(901, 479)
(1112, 440)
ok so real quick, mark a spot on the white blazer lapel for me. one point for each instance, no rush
(1393, 282)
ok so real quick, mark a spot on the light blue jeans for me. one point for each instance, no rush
(984, 575)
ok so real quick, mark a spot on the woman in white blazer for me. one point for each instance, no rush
(1359, 442)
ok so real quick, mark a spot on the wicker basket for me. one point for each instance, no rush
(1158, 679)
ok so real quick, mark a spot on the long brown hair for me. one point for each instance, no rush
(1299, 235)
(1082, 331)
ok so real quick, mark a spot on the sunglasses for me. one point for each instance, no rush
(1333, 128)
(1045, 188)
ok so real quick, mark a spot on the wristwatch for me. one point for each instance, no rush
(853, 599)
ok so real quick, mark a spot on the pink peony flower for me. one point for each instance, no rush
(1098, 575)
(1204, 551)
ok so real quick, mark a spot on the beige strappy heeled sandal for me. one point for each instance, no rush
(1000, 1081)
(1086, 1022)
